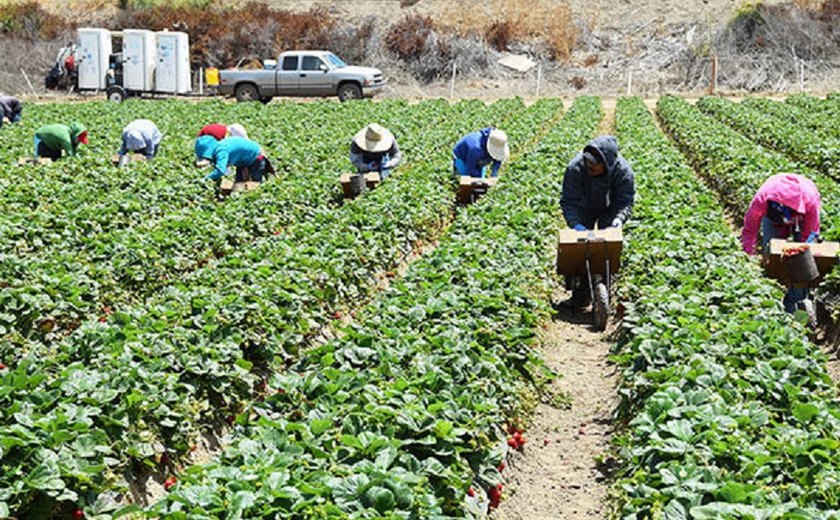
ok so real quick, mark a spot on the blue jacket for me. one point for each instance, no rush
(472, 150)
(231, 151)
(607, 197)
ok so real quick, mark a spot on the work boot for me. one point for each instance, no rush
(580, 299)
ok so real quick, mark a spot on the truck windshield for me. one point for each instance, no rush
(335, 61)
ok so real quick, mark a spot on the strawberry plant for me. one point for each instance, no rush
(407, 411)
(729, 409)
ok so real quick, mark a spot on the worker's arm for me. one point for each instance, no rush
(572, 195)
(810, 223)
(624, 193)
(395, 157)
(496, 166)
(752, 222)
(220, 169)
(358, 159)
(67, 145)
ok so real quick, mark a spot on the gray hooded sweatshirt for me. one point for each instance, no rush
(603, 199)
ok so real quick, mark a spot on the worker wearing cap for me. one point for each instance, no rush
(477, 150)
(217, 131)
(598, 190)
(232, 151)
(374, 149)
(140, 136)
(52, 140)
(10, 109)
(786, 206)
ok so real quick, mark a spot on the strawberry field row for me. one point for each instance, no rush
(729, 408)
(145, 380)
(402, 415)
(67, 285)
(735, 166)
(825, 125)
(800, 144)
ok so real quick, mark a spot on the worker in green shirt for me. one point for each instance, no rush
(52, 140)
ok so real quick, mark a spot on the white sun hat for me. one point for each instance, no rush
(497, 145)
(237, 130)
(374, 138)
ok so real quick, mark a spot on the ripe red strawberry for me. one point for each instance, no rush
(501, 466)
(107, 310)
(78, 514)
(194, 447)
(170, 482)
(276, 232)
(471, 492)
(337, 315)
(103, 319)
(495, 495)
(2, 366)
(512, 443)
(281, 390)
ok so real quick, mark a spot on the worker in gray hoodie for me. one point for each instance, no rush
(10, 109)
(598, 190)
(140, 136)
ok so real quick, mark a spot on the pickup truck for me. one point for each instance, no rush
(302, 74)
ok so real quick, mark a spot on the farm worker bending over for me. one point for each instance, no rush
(233, 151)
(140, 136)
(237, 130)
(786, 206)
(598, 189)
(10, 109)
(51, 140)
(374, 149)
(478, 149)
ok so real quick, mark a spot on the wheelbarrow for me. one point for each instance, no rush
(471, 188)
(354, 183)
(593, 255)
(801, 265)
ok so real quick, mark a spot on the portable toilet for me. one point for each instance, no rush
(173, 63)
(139, 51)
(93, 55)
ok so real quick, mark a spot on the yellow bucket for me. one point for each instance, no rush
(212, 76)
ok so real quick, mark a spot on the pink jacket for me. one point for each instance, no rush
(791, 190)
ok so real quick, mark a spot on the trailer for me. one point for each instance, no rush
(147, 63)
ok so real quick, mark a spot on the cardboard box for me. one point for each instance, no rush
(372, 180)
(599, 245)
(227, 186)
(132, 157)
(470, 188)
(31, 160)
(825, 255)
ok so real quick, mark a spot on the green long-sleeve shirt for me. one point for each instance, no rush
(61, 137)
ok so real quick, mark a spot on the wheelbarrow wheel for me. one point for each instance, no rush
(600, 307)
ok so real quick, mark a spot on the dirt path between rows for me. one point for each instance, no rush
(559, 473)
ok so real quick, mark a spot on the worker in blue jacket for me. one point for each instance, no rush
(244, 154)
(599, 189)
(477, 150)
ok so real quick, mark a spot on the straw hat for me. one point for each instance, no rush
(497, 145)
(374, 138)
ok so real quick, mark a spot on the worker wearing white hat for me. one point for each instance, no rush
(475, 151)
(374, 149)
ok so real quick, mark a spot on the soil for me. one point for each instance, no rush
(558, 475)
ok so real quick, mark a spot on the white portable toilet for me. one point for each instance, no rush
(173, 63)
(139, 51)
(93, 55)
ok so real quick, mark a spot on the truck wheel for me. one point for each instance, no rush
(115, 93)
(246, 92)
(349, 91)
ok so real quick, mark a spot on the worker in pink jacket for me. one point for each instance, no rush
(786, 206)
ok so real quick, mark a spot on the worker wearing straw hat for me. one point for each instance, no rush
(477, 150)
(374, 149)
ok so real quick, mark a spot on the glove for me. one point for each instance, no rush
(580, 227)
(813, 237)
(373, 166)
(616, 223)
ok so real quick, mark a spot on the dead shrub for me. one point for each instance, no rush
(416, 41)
(500, 34)
(504, 21)
(29, 20)
(577, 81)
